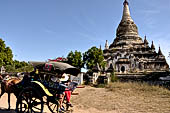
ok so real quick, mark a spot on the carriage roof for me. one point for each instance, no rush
(55, 67)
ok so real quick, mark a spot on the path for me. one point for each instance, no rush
(86, 102)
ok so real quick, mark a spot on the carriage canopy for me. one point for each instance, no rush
(55, 67)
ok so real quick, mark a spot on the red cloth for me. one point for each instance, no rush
(68, 95)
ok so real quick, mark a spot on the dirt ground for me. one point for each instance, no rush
(123, 99)
(81, 102)
(93, 100)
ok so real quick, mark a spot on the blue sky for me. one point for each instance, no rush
(41, 29)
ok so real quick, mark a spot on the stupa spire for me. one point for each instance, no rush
(100, 47)
(127, 27)
(106, 45)
(152, 46)
(145, 41)
(126, 13)
(125, 2)
(159, 51)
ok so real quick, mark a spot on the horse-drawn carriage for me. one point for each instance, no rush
(41, 87)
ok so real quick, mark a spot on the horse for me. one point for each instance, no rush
(8, 86)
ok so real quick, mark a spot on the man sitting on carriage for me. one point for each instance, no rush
(57, 80)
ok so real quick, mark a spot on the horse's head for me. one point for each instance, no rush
(20, 75)
(6, 78)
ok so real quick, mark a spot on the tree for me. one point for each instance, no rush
(5, 54)
(93, 56)
(10, 68)
(19, 66)
(7, 61)
(75, 59)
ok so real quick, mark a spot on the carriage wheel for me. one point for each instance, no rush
(29, 101)
(53, 104)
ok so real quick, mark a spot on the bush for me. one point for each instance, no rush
(113, 77)
(100, 85)
(10, 68)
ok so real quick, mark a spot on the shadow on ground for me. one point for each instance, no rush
(3, 110)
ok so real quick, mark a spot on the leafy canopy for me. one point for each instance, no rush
(75, 59)
(5, 54)
(6, 59)
(93, 56)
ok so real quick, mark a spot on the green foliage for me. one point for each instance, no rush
(10, 68)
(113, 77)
(100, 85)
(7, 61)
(75, 59)
(5, 54)
(28, 68)
(92, 57)
(18, 66)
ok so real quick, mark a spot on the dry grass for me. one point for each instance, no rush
(141, 97)
(124, 98)
(143, 88)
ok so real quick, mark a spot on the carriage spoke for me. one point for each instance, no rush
(54, 107)
(24, 98)
(29, 101)
(51, 105)
(37, 108)
(33, 99)
(22, 106)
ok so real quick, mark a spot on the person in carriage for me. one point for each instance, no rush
(69, 86)
(67, 93)
(59, 76)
